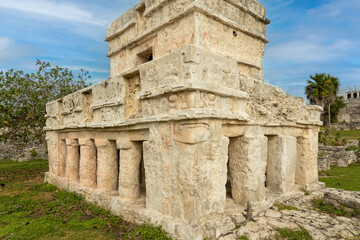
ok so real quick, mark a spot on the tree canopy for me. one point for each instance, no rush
(322, 90)
(23, 98)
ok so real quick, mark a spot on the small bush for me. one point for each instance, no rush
(243, 237)
(338, 137)
(305, 190)
(33, 153)
(353, 148)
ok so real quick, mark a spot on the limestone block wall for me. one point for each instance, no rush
(349, 117)
(152, 29)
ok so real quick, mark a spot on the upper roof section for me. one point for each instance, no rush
(146, 7)
(154, 28)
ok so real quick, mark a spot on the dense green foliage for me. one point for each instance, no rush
(31, 209)
(344, 178)
(322, 89)
(23, 97)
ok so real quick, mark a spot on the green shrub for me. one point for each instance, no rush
(353, 148)
(338, 137)
(23, 98)
(243, 237)
(33, 153)
(305, 190)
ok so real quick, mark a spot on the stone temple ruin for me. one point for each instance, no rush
(185, 133)
(349, 117)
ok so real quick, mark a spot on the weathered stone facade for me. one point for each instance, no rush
(185, 133)
(349, 117)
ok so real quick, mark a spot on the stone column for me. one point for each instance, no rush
(107, 168)
(247, 165)
(281, 163)
(129, 177)
(87, 163)
(62, 159)
(307, 154)
(72, 160)
(52, 140)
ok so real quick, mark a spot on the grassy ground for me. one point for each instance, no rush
(350, 135)
(343, 178)
(31, 209)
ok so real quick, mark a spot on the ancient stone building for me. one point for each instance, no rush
(185, 133)
(349, 117)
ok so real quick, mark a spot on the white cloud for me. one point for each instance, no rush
(339, 11)
(311, 49)
(10, 50)
(52, 9)
(5, 43)
(90, 69)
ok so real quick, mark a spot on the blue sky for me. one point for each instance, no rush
(306, 36)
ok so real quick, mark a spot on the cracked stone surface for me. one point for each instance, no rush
(320, 225)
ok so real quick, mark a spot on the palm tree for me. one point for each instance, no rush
(322, 90)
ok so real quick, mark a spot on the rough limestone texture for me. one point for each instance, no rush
(349, 117)
(335, 156)
(185, 133)
(320, 225)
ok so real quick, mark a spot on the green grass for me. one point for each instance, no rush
(330, 209)
(350, 135)
(31, 209)
(344, 178)
(289, 234)
(353, 148)
(305, 190)
(285, 207)
(243, 237)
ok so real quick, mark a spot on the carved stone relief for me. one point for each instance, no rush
(133, 105)
(191, 132)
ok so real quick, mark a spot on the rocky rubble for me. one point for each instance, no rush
(320, 225)
(22, 152)
(336, 156)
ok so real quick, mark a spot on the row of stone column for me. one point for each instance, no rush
(107, 165)
(273, 162)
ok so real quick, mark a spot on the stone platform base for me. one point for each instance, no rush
(219, 226)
